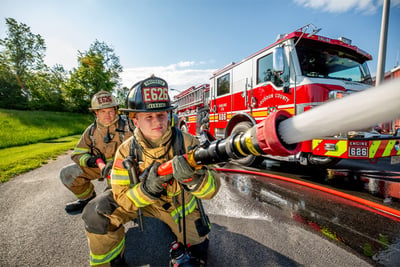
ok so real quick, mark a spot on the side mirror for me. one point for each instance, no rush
(278, 59)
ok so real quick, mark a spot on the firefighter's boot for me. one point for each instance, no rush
(199, 254)
(77, 206)
(119, 262)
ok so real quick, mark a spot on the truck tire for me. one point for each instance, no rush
(249, 160)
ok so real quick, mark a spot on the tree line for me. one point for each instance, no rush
(27, 83)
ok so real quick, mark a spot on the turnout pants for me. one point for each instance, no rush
(104, 223)
(78, 179)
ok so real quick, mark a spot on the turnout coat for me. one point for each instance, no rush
(107, 242)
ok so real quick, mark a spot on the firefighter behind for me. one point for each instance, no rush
(154, 141)
(98, 143)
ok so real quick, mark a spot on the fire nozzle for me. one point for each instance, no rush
(261, 139)
(268, 138)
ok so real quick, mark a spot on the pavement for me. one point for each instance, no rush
(36, 231)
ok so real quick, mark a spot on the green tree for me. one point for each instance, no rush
(11, 95)
(22, 52)
(98, 69)
(48, 94)
(121, 95)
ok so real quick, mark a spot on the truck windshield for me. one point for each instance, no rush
(322, 60)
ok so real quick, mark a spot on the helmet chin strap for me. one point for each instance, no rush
(171, 118)
(111, 123)
(107, 138)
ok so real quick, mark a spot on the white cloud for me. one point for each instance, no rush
(183, 64)
(179, 76)
(340, 6)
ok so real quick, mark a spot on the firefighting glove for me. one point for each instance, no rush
(153, 185)
(91, 161)
(107, 169)
(185, 174)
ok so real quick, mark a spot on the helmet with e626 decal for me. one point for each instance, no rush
(101, 100)
(149, 95)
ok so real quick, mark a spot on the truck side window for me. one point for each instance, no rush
(223, 84)
(265, 71)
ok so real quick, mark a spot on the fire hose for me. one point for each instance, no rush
(281, 134)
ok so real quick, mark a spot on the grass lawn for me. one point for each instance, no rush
(20, 159)
(21, 127)
(29, 139)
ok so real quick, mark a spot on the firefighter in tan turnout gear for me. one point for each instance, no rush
(93, 155)
(154, 142)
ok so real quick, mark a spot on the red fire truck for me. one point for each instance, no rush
(193, 108)
(299, 71)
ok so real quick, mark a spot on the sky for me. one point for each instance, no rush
(185, 41)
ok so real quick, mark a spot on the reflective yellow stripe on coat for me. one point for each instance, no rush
(189, 208)
(80, 150)
(105, 258)
(207, 188)
(119, 175)
(85, 194)
(85, 154)
(137, 197)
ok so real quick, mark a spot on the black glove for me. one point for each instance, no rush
(152, 185)
(185, 174)
(91, 162)
(107, 169)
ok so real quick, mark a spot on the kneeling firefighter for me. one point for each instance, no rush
(99, 141)
(154, 142)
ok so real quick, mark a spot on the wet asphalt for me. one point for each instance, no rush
(256, 221)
